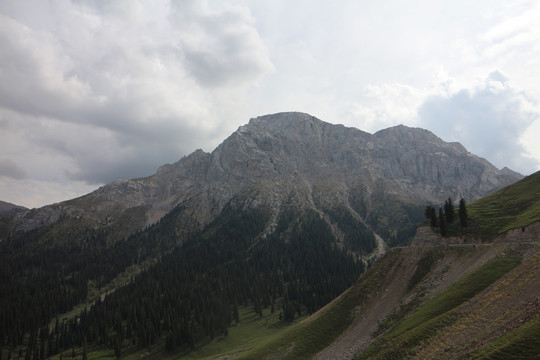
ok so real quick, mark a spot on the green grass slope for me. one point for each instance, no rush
(522, 342)
(514, 206)
(426, 320)
(414, 329)
(249, 333)
(309, 337)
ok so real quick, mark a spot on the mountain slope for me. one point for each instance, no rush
(436, 302)
(448, 293)
(514, 206)
(306, 199)
(8, 210)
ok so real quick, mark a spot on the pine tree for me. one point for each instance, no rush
(430, 214)
(442, 222)
(117, 347)
(236, 313)
(462, 213)
(85, 349)
(449, 211)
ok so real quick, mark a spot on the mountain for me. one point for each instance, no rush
(510, 208)
(289, 159)
(9, 210)
(443, 299)
(280, 218)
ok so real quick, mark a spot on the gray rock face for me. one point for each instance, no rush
(289, 159)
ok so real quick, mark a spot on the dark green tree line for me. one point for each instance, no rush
(192, 293)
(446, 217)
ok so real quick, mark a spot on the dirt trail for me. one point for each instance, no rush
(380, 305)
(380, 250)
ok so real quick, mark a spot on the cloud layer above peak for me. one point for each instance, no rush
(117, 88)
(94, 91)
(490, 120)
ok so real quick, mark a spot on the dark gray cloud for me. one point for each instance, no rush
(489, 121)
(116, 89)
(135, 152)
(92, 91)
(11, 170)
(217, 50)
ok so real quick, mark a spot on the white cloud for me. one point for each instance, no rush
(121, 87)
(490, 120)
(91, 91)
(382, 106)
(36, 193)
(35, 79)
(220, 48)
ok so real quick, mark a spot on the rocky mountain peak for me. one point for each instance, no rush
(294, 157)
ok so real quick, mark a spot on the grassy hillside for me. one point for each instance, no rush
(417, 302)
(318, 331)
(478, 303)
(439, 311)
(249, 333)
(487, 292)
(514, 206)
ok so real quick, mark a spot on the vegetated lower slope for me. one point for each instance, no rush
(379, 318)
(512, 207)
(436, 302)
(195, 292)
(291, 166)
(468, 314)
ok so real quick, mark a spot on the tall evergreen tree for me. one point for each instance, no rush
(117, 347)
(449, 211)
(442, 222)
(85, 350)
(431, 214)
(462, 212)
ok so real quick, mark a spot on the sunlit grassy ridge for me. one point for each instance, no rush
(514, 206)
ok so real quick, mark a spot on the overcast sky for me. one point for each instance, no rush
(94, 91)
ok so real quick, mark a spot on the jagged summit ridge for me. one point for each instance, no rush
(290, 157)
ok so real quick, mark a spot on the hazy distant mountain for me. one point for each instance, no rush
(290, 159)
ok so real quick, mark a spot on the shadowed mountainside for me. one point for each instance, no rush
(438, 299)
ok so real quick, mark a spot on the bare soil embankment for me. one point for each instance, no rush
(420, 272)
